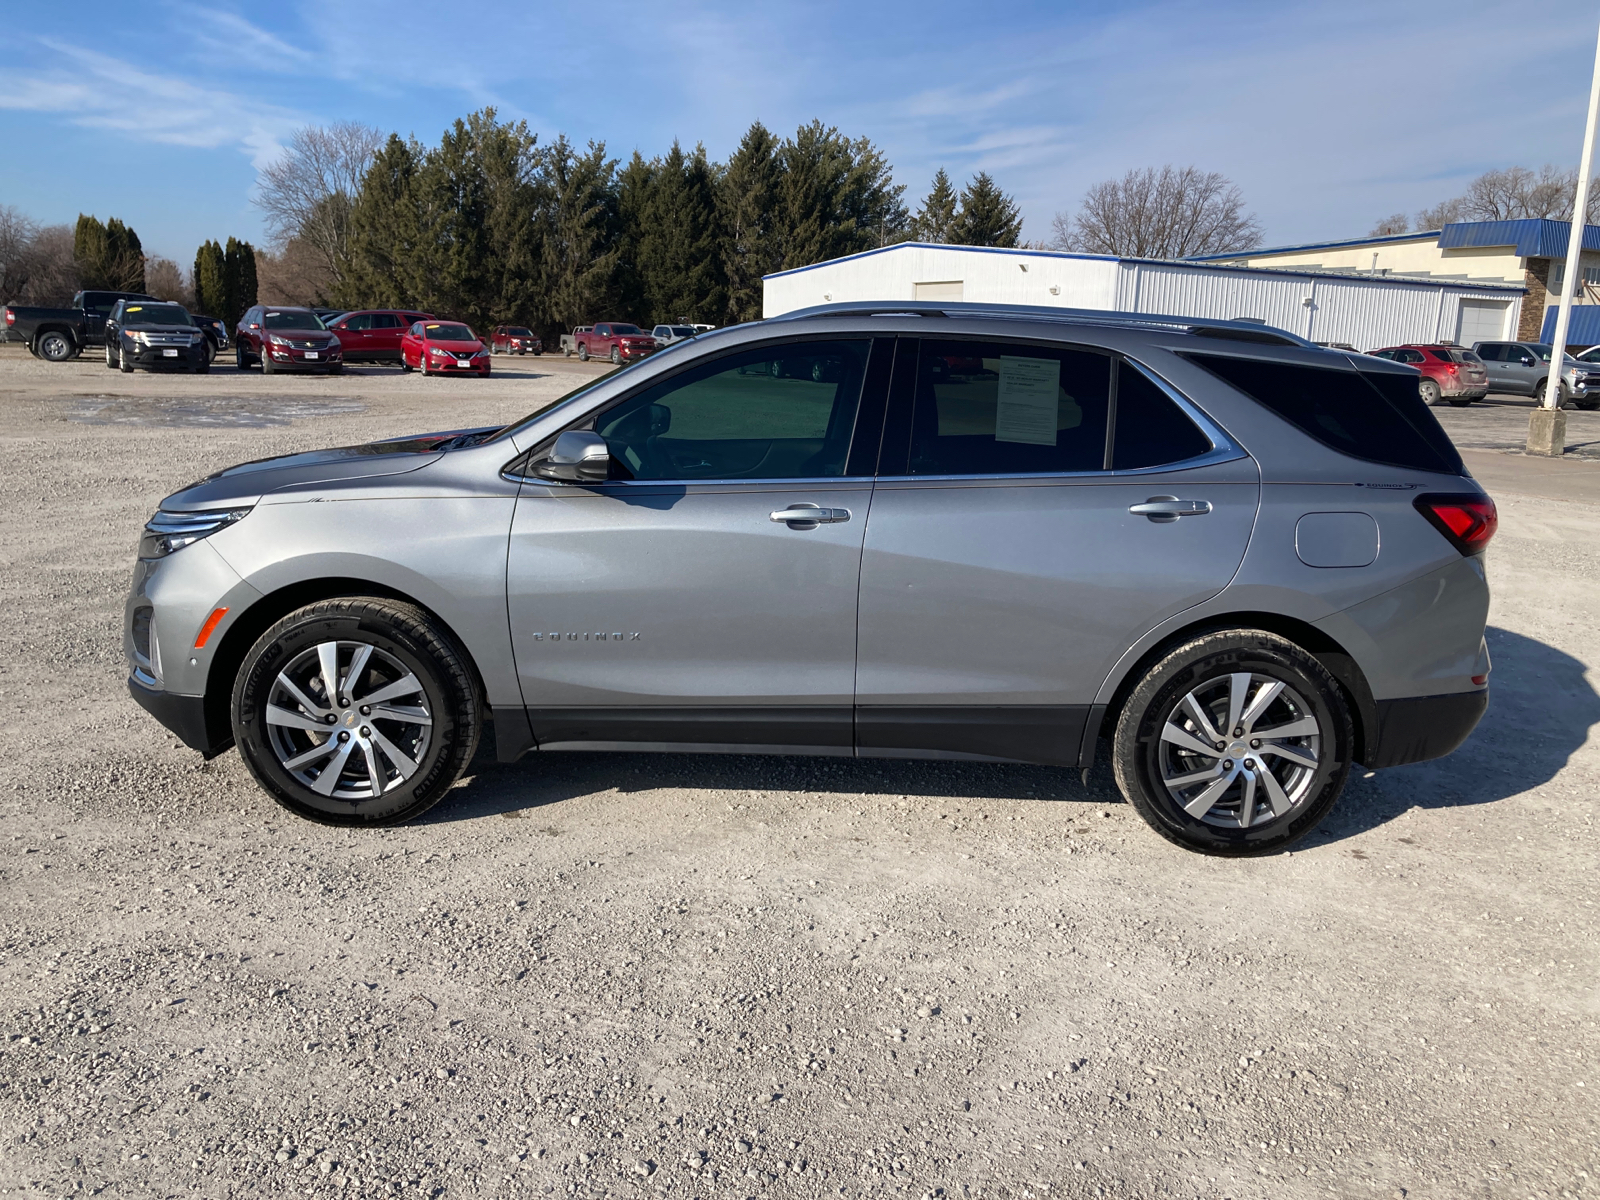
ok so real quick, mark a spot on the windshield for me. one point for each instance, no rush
(289, 319)
(518, 331)
(626, 329)
(683, 331)
(442, 332)
(135, 315)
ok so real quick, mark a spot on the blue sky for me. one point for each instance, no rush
(1329, 116)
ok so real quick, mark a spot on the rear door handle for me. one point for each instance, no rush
(1165, 509)
(809, 514)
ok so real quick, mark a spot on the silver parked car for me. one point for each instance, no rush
(1523, 369)
(1237, 561)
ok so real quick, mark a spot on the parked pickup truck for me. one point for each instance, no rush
(58, 334)
(569, 341)
(615, 340)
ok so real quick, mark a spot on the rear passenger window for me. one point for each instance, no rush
(984, 408)
(1369, 415)
(1151, 431)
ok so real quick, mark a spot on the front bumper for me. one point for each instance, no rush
(452, 366)
(183, 715)
(294, 358)
(1424, 727)
(156, 358)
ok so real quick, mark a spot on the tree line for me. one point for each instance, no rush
(492, 226)
(1510, 194)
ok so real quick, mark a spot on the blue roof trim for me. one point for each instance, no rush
(1532, 238)
(1187, 264)
(1339, 245)
(1583, 329)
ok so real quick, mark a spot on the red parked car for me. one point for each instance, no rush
(515, 339)
(1448, 372)
(286, 339)
(614, 340)
(443, 348)
(373, 334)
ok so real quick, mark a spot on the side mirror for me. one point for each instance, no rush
(578, 456)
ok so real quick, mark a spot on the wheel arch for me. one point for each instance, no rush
(264, 613)
(61, 327)
(1333, 656)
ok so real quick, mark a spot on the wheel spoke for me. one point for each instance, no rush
(329, 779)
(1298, 755)
(1201, 804)
(303, 700)
(358, 664)
(311, 755)
(277, 715)
(403, 762)
(1194, 777)
(328, 656)
(1275, 794)
(1247, 802)
(1304, 727)
(1267, 693)
(400, 687)
(1201, 718)
(1185, 740)
(374, 772)
(1238, 691)
(407, 716)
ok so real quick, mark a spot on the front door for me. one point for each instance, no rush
(355, 336)
(1024, 534)
(706, 596)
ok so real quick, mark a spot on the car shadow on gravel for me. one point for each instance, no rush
(1540, 713)
(1541, 709)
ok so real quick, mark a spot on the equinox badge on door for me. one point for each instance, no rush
(586, 637)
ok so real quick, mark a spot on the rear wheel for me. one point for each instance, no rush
(358, 711)
(1236, 743)
(56, 347)
(1429, 391)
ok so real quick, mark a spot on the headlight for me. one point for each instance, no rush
(481, 354)
(169, 531)
(140, 339)
(196, 338)
(278, 341)
(437, 353)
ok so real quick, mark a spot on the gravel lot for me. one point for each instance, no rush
(686, 976)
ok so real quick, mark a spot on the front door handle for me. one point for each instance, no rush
(1166, 509)
(809, 515)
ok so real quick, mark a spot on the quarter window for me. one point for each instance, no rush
(363, 321)
(783, 412)
(1151, 431)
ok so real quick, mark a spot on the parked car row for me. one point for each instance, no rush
(1458, 376)
(623, 342)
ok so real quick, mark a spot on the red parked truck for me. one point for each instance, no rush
(615, 340)
(1448, 372)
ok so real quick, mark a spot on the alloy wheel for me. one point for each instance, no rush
(348, 720)
(1240, 750)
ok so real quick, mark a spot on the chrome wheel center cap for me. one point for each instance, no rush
(1238, 749)
(350, 718)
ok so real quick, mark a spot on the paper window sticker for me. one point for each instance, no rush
(1026, 403)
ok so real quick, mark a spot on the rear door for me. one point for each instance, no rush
(1023, 534)
(707, 596)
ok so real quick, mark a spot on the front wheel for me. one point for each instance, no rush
(122, 360)
(616, 357)
(358, 711)
(1236, 743)
(583, 353)
(111, 358)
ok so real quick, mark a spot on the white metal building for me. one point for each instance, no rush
(1323, 306)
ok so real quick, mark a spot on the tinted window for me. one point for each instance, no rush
(784, 412)
(1408, 356)
(385, 321)
(359, 321)
(1151, 431)
(289, 319)
(1491, 352)
(1375, 416)
(992, 408)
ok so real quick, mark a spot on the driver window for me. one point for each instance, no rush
(780, 412)
(363, 321)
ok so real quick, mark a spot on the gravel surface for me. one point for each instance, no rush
(1501, 423)
(726, 977)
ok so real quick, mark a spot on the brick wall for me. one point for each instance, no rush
(1537, 279)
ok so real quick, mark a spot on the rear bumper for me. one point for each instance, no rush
(1471, 391)
(183, 715)
(1423, 727)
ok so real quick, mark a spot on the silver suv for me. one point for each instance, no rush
(1237, 561)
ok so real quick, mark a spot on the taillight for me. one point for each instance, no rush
(1467, 521)
(11, 317)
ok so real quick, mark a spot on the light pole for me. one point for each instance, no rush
(1547, 424)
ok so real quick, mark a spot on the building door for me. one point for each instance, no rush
(1482, 321)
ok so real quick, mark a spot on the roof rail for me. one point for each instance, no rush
(1241, 330)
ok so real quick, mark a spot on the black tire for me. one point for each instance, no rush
(1461, 403)
(402, 638)
(538, 353)
(405, 367)
(616, 356)
(122, 361)
(1198, 667)
(583, 352)
(55, 346)
(1429, 390)
(1538, 392)
(267, 367)
(111, 361)
(203, 367)
(336, 369)
(240, 358)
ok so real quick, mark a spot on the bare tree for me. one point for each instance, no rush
(1168, 213)
(1446, 212)
(296, 274)
(16, 239)
(1390, 225)
(1514, 194)
(47, 271)
(164, 280)
(307, 195)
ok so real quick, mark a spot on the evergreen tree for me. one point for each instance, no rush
(678, 259)
(385, 230)
(747, 205)
(209, 293)
(453, 252)
(988, 216)
(89, 252)
(581, 220)
(936, 219)
(247, 284)
(838, 197)
(124, 262)
(636, 212)
(507, 158)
